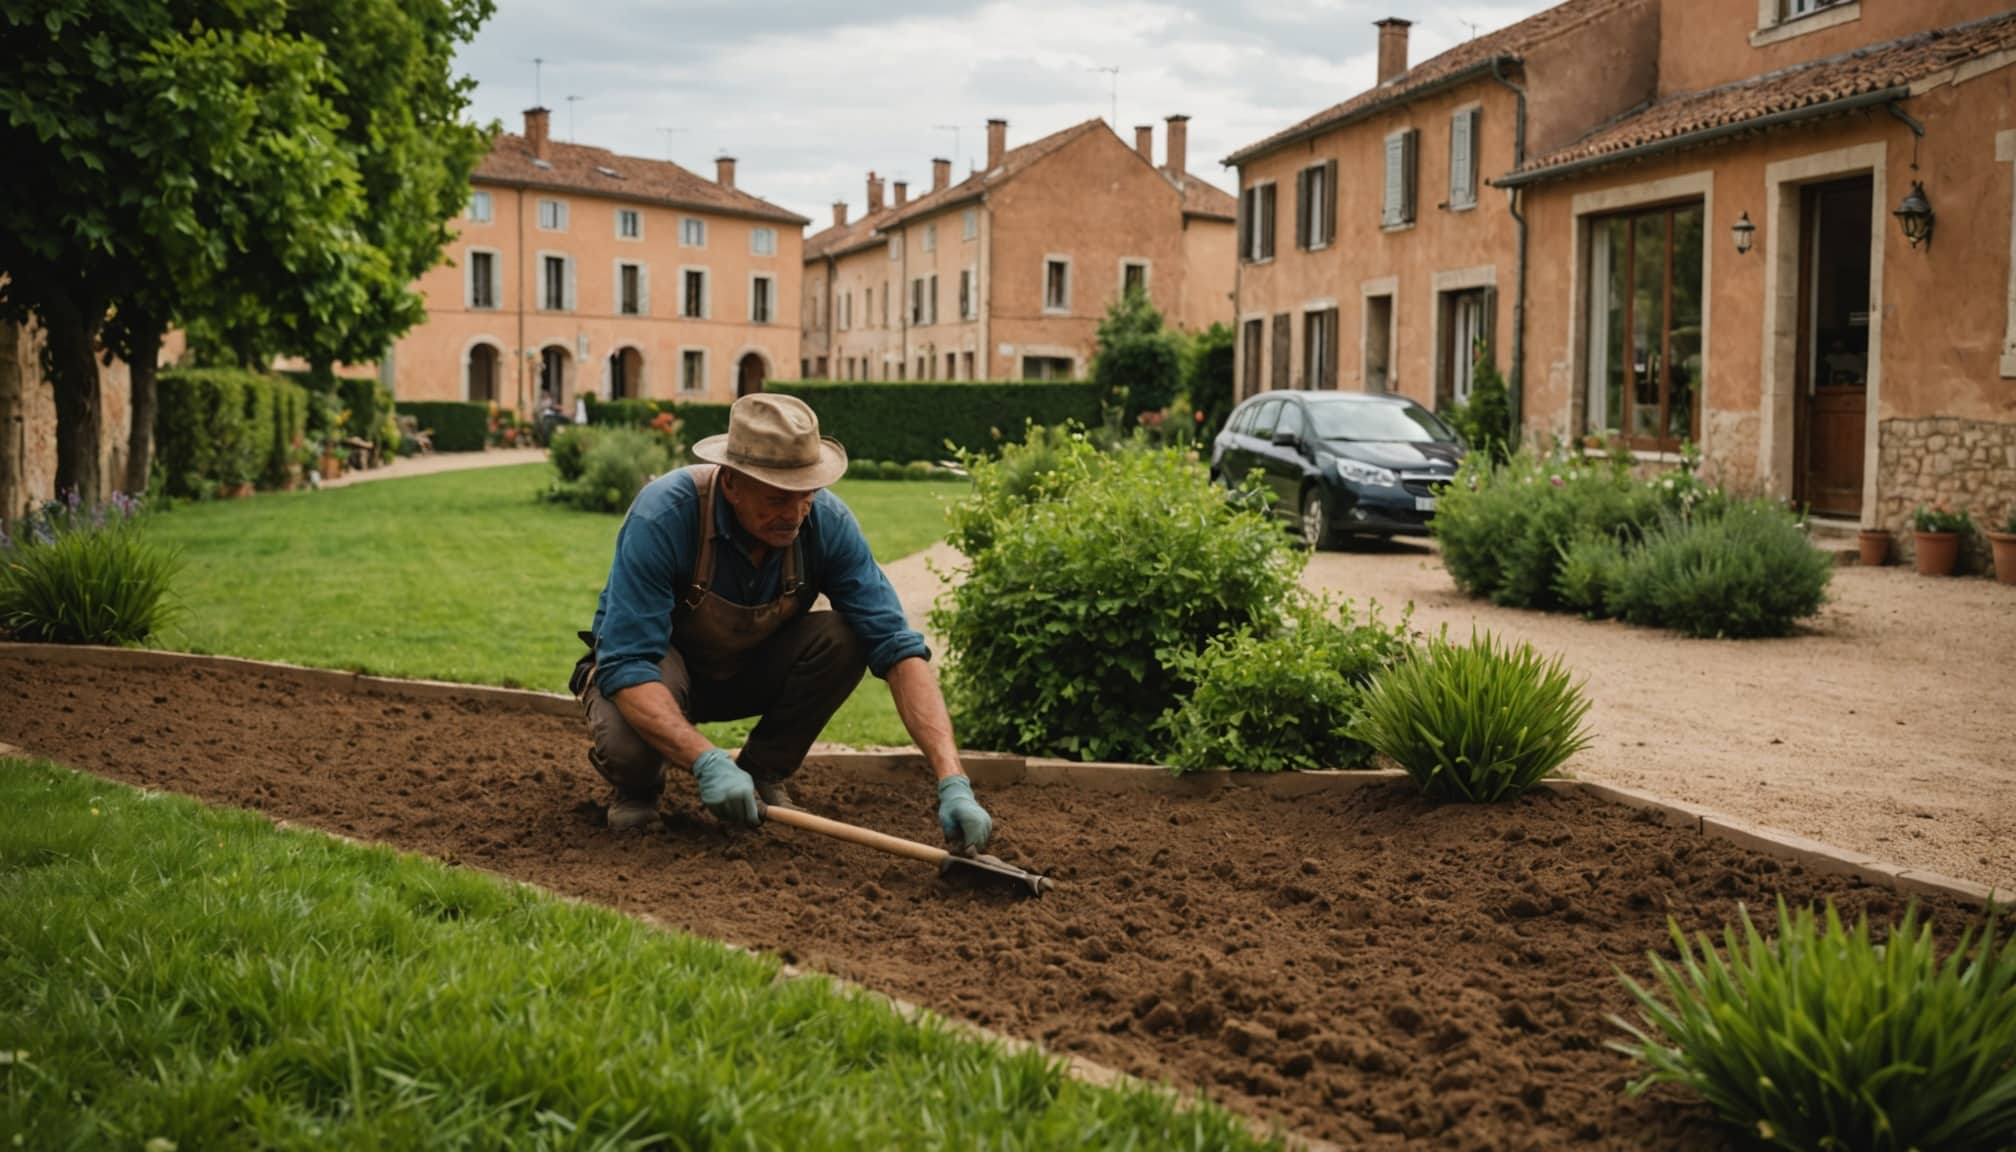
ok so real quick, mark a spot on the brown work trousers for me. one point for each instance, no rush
(795, 681)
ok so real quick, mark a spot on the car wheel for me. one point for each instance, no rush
(1316, 531)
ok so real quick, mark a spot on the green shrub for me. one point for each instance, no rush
(1208, 380)
(863, 470)
(453, 425)
(1821, 1039)
(1022, 473)
(287, 447)
(893, 420)
(1589, 571)
(1749, 571)
(1139, 362)
(890, 470)
(568, 450)
(1485, 419)
(75, 576)
(369, 404)
(218, 427)
(919, 470)
(614, 465)
(632, 413)
(1068, 633)
(699, 421)
(1284, 700)
(1475, 721)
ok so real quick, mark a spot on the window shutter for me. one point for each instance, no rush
(1283, 336)
(1303, 212)
(644, 289)
(1267, 222)
(934, 298)
(1490, 324)
(1245, 232)
(1330, 202)
(1330, 349)
(1410, 165)
(469, 263)
(569, 297)
(1392, 199)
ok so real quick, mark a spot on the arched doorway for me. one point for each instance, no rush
(749, 375)
(553, 390)
(626, 374)
(482, 374)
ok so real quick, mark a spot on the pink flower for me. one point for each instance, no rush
(1556, 480)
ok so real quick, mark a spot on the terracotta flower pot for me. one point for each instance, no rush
(2004, 544)
(1938, 552)
(237, 491)
(1875, 544)
(332, 467)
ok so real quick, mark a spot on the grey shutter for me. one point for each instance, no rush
(1267, 222)
(1410, 164)
(1330, 349)
(1283, 343)
(1302, 213)
(1330, 202)
(1246, 225)
(1390, 214)
(1463, 159)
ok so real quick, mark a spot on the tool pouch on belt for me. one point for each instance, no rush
(584, 668)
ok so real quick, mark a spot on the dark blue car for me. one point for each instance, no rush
(1340, 464)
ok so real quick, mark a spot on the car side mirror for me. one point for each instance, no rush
(1286, 439)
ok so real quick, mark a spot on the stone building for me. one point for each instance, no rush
(1007, 273)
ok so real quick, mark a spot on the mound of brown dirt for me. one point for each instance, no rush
(1366, 968)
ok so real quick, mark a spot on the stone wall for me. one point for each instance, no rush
(1970, 464)
(28, 423)
(1730, 459)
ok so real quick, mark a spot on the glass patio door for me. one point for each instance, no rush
(1645, 326)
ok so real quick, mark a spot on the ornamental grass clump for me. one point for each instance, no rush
(1821, 1039)
(1286, 699)
(1476, 721)
(72, 575)
(1747, 572)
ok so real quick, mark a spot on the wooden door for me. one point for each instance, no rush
(750, 376)
(1835, 314)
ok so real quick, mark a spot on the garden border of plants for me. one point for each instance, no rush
(990, 769)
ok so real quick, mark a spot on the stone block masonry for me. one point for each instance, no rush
(1970, 464)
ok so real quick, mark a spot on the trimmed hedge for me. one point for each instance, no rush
(220, 427)
(697, 421)
(455, 425)
(894, 420)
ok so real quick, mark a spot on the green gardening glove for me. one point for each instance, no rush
(727, 791)
(960, 816)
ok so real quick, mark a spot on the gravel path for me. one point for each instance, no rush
(1889, 726)
(405, 467)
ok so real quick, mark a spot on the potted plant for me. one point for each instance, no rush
(1937, 530)
(1875, 544)
(2004, 544)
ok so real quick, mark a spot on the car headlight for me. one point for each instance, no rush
(1371, 474)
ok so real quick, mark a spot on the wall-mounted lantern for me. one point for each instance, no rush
(1744, 232)
(1914, 215)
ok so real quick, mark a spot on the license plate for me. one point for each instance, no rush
(1424, 503)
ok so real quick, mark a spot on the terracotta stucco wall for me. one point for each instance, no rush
(1210, 265)
(429, 363)
(1704, 43)
(1095, 202)
(950, 252)
(866, 276)
(1580, 80)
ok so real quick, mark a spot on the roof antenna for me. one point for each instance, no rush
(668, 140)
(1115, 72)
(570, 118)
(1467, 24)
(954, 129)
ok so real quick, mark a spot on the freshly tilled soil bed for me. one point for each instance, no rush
(1364, 967)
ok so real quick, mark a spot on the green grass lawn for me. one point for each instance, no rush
(461, 576)
(181, 977)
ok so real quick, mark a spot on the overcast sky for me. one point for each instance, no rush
(811, 95)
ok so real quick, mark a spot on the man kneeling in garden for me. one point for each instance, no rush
(707, 616)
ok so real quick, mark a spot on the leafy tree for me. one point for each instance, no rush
(1485, 420)
(1139, 361)
(1207, 379)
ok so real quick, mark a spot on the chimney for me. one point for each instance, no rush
(997, 142)
(874, 194)
(1144, 141)
(839, 213)
(902, 193)
(724, 171)
(1392, 47)
(1178, 147)
(941, 174)
(536, 120)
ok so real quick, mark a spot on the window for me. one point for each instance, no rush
(1401, 156)
(1379, 344)
(1046, 368)
(969, 224)
(760, 290)
(967, 358)
(1133, 277)
(479, 207)
(1466, 334)
(692, 233)
(556, 283)
(966, 301)
(763, 241)
(630, 289)
(1319, 349)
(1265, 419)
(1256, 223)
(1316, 206)
(930, 237)
(847, 311)
(931, 301)
(1056, 285)
(896, 246)
(693, 294)
(917, 301)
(951, 365)
(1645, 325)
(1249, 378)
(693, 370)
(1463, 159)
(1793, 9)
(553, 215)
(885, 304)
(629, 224)
(483, 280)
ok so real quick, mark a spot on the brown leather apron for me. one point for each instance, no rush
(716, 636)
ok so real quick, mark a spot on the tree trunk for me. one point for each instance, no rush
(140, 440)
(70, 361)
(13, 424)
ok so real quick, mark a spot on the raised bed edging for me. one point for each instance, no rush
(995, 770)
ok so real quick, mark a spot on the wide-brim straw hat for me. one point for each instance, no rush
(776, 439)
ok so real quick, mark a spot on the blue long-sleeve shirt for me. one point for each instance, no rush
(655, 552)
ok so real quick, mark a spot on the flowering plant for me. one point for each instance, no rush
(1942, 517)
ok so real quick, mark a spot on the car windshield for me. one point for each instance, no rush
(1404, 423)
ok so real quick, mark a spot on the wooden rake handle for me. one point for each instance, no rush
(866, 837)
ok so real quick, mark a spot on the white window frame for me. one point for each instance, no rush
(1050, 309)
(1311, 365)
(1314, 207)
(688, 226)
(1475, 113)
(770, 280)
(634, 214)
(569, 300)
(560, 214)
(706, 292)
(686, 350)
(1784, 20)
(479, 196)
(643, 288)
(1249, 242)
(757, 238)
(469, 279)
(1147, 275)
(895, 246)
(969, 287)
(969, 224)
(930, 237)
